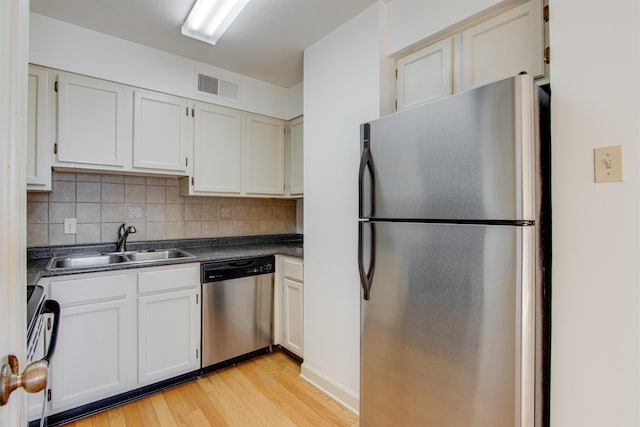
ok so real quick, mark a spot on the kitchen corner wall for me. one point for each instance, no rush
(100, 203)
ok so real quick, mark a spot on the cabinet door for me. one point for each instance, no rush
(425, 75)
(265, 155)
(217, 164)
(159, 129)
(295, 159)
(293, 316)
(168, 335)
(504, 46)
(38, 131)
(92, 122)
(93, 356)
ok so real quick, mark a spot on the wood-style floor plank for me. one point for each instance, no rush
(265, 391)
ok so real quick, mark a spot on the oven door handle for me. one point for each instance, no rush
(52, 306)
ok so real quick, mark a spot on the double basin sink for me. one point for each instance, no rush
(115, 258)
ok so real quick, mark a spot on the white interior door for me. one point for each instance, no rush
(14, 38)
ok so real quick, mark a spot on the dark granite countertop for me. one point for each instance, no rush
(215, 249)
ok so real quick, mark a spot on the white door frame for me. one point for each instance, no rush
(14, 57)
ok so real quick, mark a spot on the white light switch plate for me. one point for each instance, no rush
(69, 226)
(607, 163)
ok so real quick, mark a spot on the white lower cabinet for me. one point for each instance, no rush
(122, 330)
(168, 323)
(289, 332)
(96, 339)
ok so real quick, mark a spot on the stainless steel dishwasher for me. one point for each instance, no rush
(237, 310)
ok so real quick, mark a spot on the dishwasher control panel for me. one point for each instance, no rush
(225, 270)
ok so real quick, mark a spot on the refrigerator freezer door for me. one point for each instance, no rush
(448, 330)
(469, 157)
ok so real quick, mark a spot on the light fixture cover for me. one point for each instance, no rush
(209, 19)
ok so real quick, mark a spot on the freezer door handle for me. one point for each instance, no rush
(366, 163)
(366, 276)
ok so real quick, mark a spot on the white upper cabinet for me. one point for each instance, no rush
(159, 132)
(482, 52)
(94, 123)
(265, 155)
(425, 75)
(38, 131)
(504, 45)
(295, 161)
(217, 150)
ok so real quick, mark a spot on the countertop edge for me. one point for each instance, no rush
(204, 250)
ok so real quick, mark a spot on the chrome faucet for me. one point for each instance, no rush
(123, 233)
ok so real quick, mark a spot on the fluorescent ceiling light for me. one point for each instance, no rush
(209, 19)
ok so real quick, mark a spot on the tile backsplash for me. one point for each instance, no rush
(100, 203)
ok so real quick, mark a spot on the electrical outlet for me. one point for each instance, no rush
(607, 164)
(69, 226)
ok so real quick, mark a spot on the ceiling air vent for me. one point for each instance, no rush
(215, 86)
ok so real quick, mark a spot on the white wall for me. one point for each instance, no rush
(341, 91)
(595, 82)
(60, 45)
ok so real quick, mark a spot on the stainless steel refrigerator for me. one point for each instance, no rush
(454, 256)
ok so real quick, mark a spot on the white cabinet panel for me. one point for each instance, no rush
(159, 132)
(168, 335)
(479, 53)
(295, 158)
(504, 46)
(289, 304)
(93, 357)
(425, 75)
(93, 122)
(39, 144)
(217, 149)
(293, 316)
(265, 155)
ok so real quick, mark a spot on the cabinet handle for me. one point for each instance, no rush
(547, 55)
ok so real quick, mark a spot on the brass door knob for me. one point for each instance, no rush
(33, 379)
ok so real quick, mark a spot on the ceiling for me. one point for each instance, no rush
(265, 42)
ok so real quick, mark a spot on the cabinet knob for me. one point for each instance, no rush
(33, 379)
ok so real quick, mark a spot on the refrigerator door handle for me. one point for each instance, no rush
(366, 276)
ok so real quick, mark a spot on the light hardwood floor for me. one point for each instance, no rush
(265, 391)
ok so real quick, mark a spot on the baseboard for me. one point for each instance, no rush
(347, 398)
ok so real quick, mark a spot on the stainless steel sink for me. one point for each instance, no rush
(59, 263)
(84, 261)
(158, 255)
